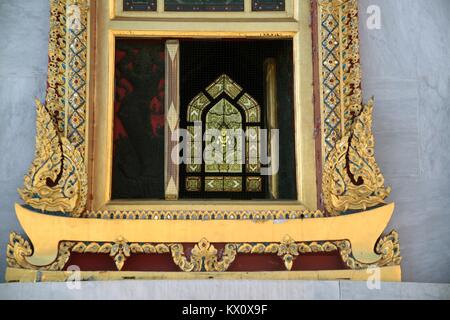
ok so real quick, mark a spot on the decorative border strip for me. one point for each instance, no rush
(204, 257)
(340, 69)
(76, 68)
(207, 215)
(56, 80)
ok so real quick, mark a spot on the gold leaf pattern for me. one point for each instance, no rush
(352, 179)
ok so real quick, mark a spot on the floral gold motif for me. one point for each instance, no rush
(204, 257)
(121, 250)
(288, 249)
(352, 179)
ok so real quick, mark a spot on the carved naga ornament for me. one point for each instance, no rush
(56, 180)
(352, 179)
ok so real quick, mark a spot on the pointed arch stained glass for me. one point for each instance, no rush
(230, 121)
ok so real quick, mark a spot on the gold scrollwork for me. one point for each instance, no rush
(288, 249)
(120, 250)
(204, 257)
(56, 180)
(352, 179)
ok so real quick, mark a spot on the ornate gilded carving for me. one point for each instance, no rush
(352, 179)
(56, 180)
(388, 247)
(204, 257)
(19, 249)
(120, 250)
(288, 249)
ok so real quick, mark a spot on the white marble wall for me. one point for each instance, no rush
(24, 30)
(224, 290)
(405, 65)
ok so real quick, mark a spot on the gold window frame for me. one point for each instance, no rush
(108, 30)
(336, 169)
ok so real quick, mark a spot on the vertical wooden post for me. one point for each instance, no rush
(270, 68)
(172, 114)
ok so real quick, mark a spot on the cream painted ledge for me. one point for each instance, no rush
(46, 231)
(387, 274)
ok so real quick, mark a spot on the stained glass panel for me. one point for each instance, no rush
(268, 5)
(230, 121)
(223, 138)
(139, 5)
(196, 107)
(224, 84)
(195, 150)
(223, 184)
(251, 107)
(204, 5)
(232, 184)
(193, 184)
(252, 150)
(254, 184)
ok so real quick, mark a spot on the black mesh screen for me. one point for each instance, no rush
(243, 60)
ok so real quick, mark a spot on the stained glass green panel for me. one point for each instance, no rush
(268, 5)
(223, 138)
(252, 150)
(254, 184)
(204, 5)
(196, 107)
(251, 107)
(223, 184)
(139, 5)
(193, 184)
(224, 84)
(194, 163)
(214, 184)
(232, 184)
